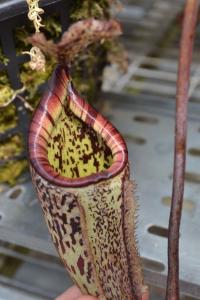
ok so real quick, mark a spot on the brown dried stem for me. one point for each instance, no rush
(16, 94)
(186, 48)
(27, 105)
(78, 37)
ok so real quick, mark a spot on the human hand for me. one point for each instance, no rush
(74, 293)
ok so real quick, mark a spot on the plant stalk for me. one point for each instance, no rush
(185, 59)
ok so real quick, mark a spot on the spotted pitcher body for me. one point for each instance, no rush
(79, 167)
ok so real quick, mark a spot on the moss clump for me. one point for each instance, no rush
(6, 92)
(86, 73)
(8, 118)
(32, 81)
(83, 9)
(52, 30)
(87, 69)
(10, 172)
(11, 147)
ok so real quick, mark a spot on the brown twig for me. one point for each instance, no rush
(16, 94)
(186, 47)
(27, 105)
(77, 38)
(10, 101)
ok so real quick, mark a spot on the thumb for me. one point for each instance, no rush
(145, 293)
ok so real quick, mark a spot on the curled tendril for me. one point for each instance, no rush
(34, 14)
(37, 61)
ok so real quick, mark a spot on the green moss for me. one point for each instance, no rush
(33, 79)
(86, 73)
(10, 172)
(52, 30)
(11, 147)
(52, 27)
(87, 69)
(8, 118)
(6, 91)
(83, 9)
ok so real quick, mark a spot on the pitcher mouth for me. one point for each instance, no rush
(44, 121)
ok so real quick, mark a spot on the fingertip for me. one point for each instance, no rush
(145, 294)
(71, 294)
(86, 297)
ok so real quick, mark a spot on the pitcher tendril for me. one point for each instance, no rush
(34, 14)
(37, 61)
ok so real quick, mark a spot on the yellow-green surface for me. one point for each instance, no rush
(76, 150)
